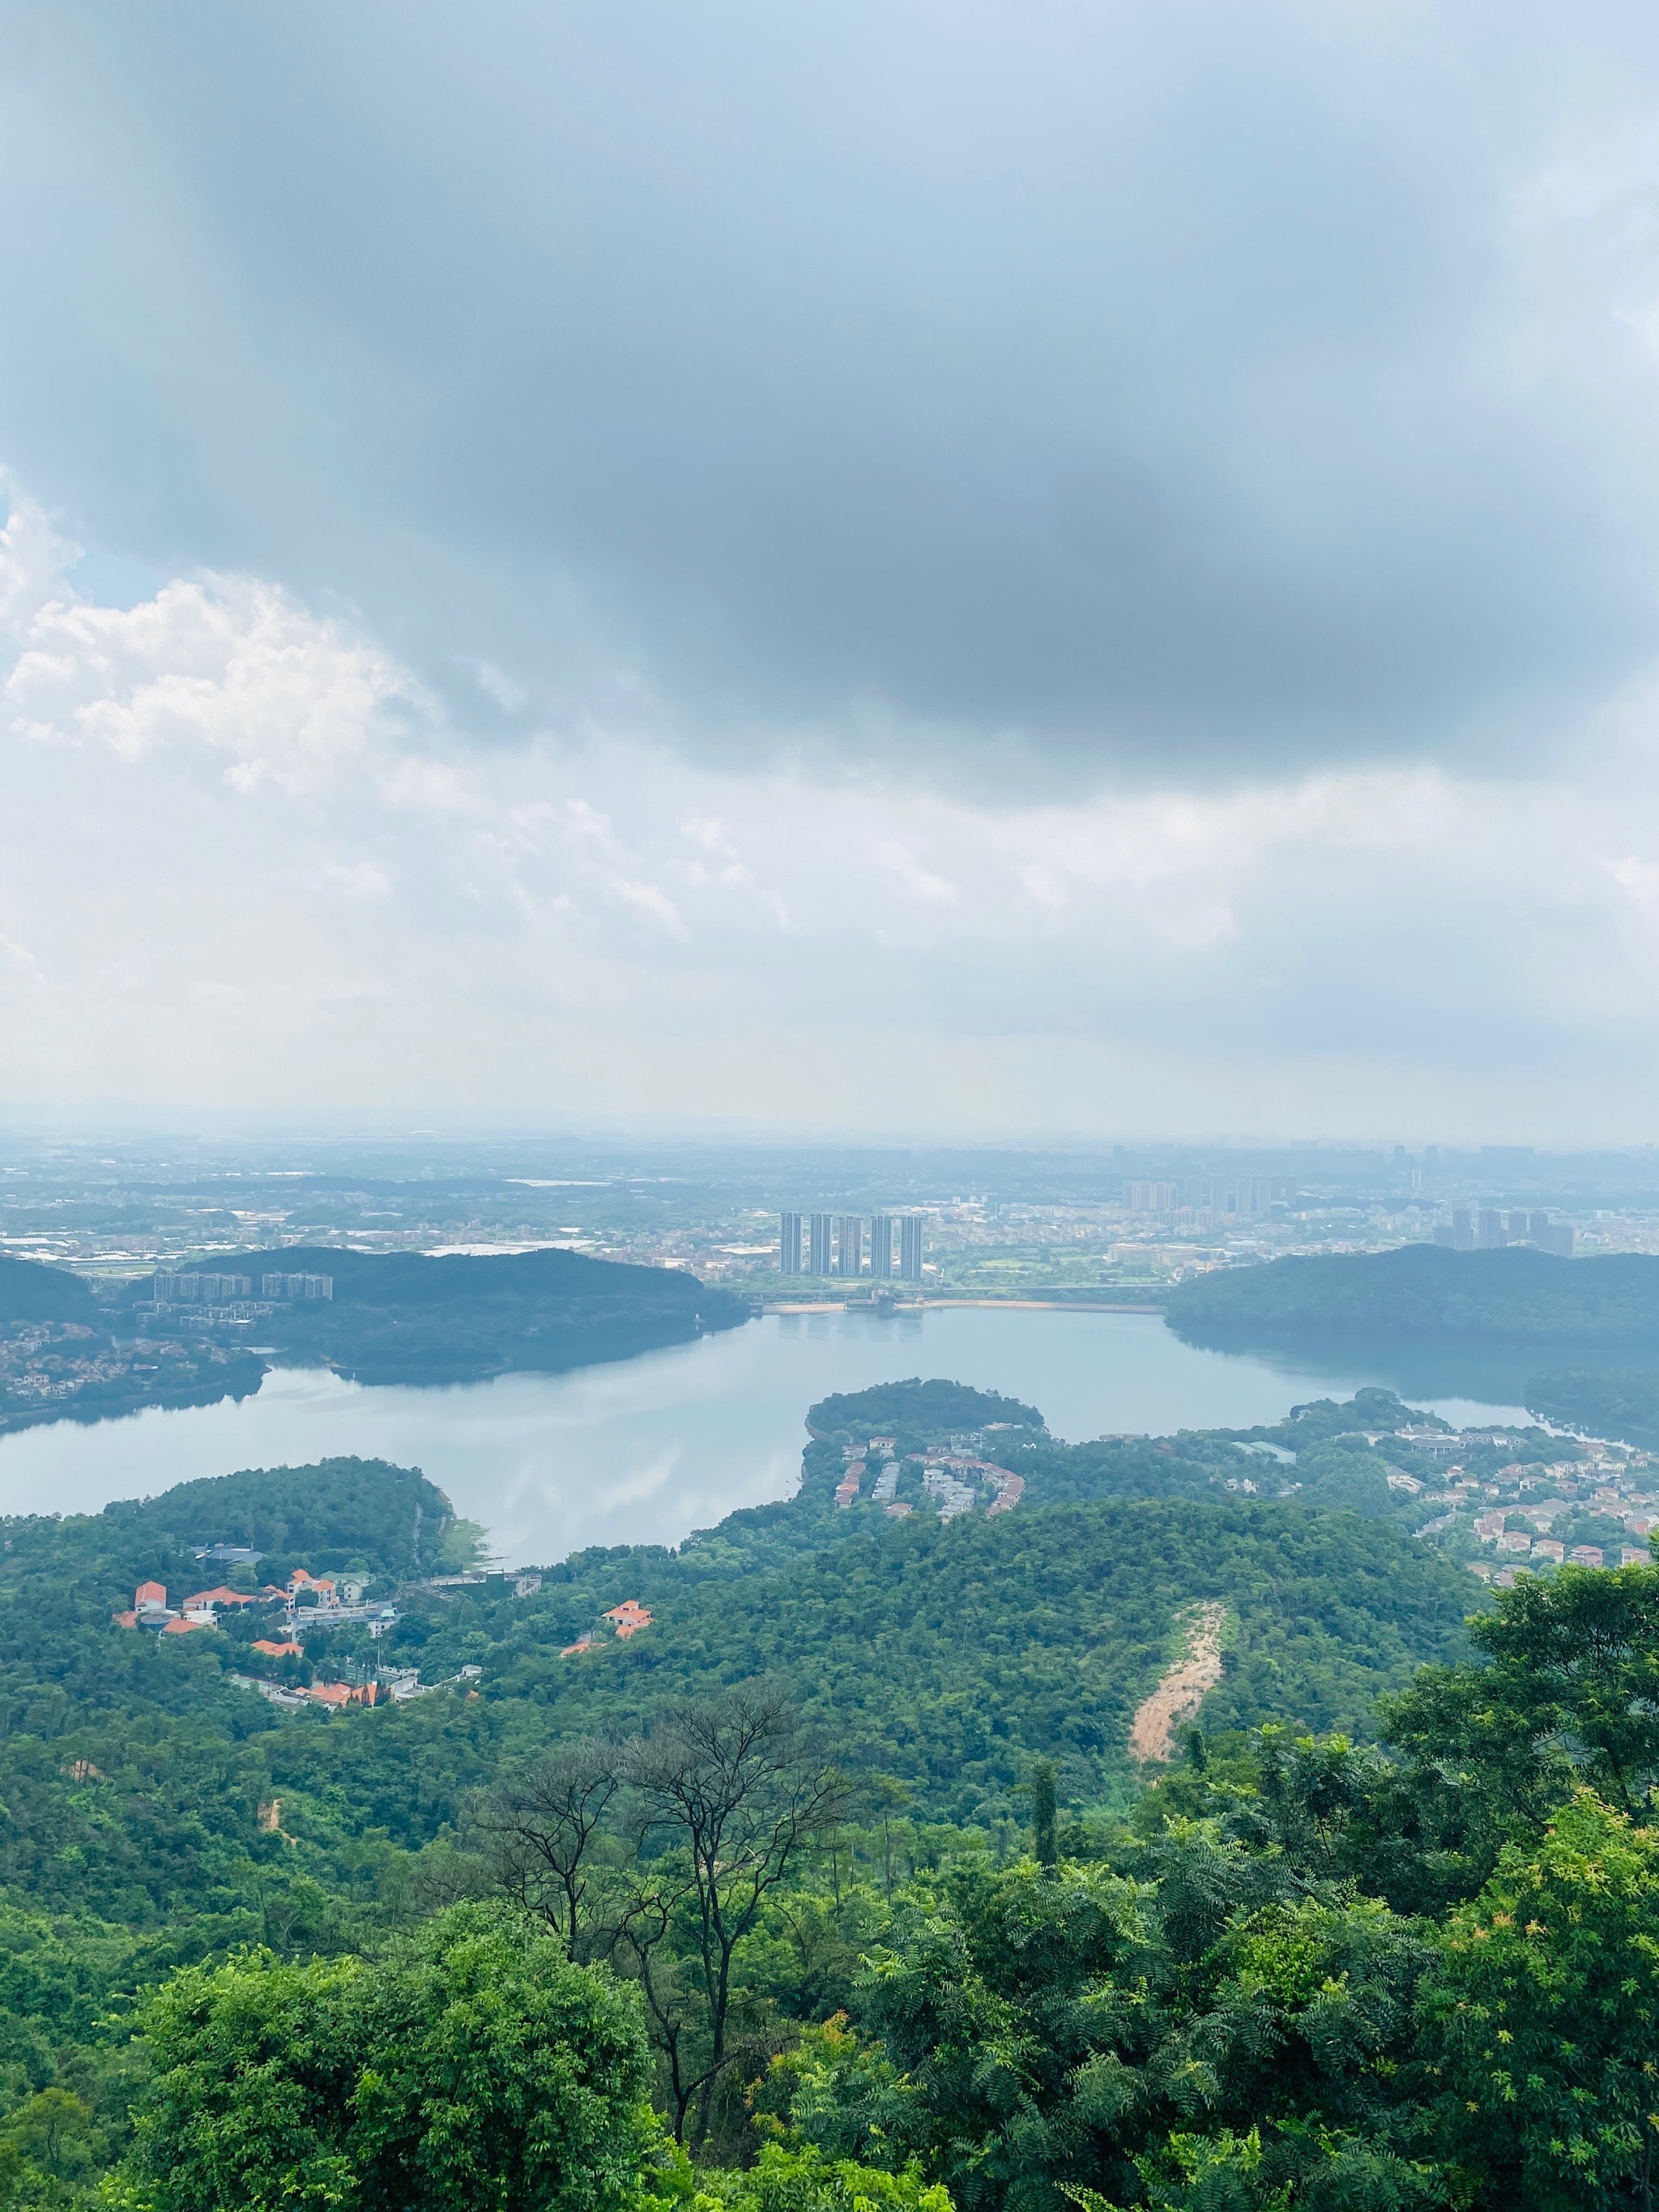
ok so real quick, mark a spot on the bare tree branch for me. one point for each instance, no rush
(735, 1785)
(540, 1828)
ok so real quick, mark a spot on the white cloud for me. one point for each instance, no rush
(32, 558)
(226, 665)
(239, 839)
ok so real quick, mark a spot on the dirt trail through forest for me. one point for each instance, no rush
(1181, 1691)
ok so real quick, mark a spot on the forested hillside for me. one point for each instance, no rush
(950, 1656)
(403, 1317)
(66, 1355)
(840, 1858)
(30, 1290)
(1424, 1294)
(944, 1655)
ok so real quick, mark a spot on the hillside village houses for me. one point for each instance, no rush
(311, 1603)
(150, 1609)
(943, 1472)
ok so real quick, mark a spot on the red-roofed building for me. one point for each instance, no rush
(630, 1617)
(220, 1596)
(183, 1626)
(300, 1580)
(343, 1694)
(149, 1593)
(286, 1650)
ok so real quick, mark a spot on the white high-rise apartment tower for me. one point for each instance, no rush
(881, 1246)
(819, 1228)
(849, 1244)
(910, 1247)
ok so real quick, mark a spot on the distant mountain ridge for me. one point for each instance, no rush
(1422, 1293)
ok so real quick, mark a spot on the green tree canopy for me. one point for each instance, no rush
(472, 2067)
(1543, 2013)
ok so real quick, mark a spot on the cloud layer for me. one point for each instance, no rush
(1008, 395)
(246, 860)
(1072, 568)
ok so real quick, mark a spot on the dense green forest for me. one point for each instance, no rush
(835, 1887)
(931, 1409)
(1424, 1294)
(405, 1317)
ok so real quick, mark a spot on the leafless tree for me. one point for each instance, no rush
(538, 1831)
(727, 1793)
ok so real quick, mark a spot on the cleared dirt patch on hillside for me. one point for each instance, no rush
(1181, 1691)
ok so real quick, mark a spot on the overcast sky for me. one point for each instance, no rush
(950, 569)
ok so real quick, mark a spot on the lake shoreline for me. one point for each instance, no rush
(644, 1450)
(933, 1306)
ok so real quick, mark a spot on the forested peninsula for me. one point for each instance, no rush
(1423, 1294)
(70, 1353)
(808, 1867)
(461, 1317)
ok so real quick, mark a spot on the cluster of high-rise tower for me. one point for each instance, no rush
(833, 1244)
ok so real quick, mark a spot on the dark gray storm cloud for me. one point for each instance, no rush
(1176, 386)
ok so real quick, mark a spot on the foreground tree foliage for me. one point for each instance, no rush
(474, 2066)
(1543, 2012)
(1322, 1975)
(671, 1959)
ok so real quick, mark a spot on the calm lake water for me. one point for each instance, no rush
(647, 1450)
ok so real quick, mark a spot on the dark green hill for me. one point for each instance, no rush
(932, 1409)
(31, 1291)
(326, 1516)
(405, 1317)
(1424, 1294)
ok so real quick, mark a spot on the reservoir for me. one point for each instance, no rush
(646, 1450)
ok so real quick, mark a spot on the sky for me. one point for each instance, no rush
(1084, 567)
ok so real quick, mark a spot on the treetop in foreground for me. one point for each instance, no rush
(472, 2065)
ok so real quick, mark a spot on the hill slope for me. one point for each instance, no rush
(132, 1767)
(31, 1290)
(950, 1655)
(405, 1317)
(1424, 1294)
